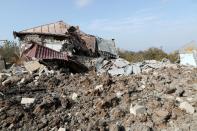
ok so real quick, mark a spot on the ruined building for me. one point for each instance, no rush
(62, 37)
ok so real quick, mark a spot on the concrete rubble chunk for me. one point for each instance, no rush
(128, 70)
(32, 66)
(22, 81)
(99, 87)
(187, 107)
(10, 80)
(136, 69)
(162, 113)
(74, 96)
(120, 63)
(18, 70)
(6, 81)
(27, 100)
(99, 63)
(119, 94)
(137, 109)
(116, 71)
(44, 70)
(62, 129)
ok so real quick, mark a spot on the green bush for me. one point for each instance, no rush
(9, 50)
(150, 54)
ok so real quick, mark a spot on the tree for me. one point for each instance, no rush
(8, 50)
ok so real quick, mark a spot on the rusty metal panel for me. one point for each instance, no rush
(53, 28)
(41, 52)
(90, 42)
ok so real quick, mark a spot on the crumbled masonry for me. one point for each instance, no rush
(151, 96)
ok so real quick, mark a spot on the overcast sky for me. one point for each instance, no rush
(135, 24)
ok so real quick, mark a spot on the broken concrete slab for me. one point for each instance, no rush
(137, 109)
(136, 69)
(17, 70)
(187, 107)
(120, 63)
(74, 96)
(32, 66)
(119, 94)
(116, 71)
(62, 129)
(128, 70)
(99, 87)
(27, 100)
(9, 80)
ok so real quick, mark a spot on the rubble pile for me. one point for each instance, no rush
(158, 98)
(116, 67)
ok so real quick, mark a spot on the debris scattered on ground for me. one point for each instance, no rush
(116, 67)
(161, 96)
(27, 101)
(187, 107)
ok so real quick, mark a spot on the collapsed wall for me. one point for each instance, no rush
(63, 37)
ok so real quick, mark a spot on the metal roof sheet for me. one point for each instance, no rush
(53, 28)
(107, 46)
(41, 52)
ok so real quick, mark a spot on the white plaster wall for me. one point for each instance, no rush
(188, 59)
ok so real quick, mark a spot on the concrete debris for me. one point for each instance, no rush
(74, 96)
(187, 107)
(32, 66)
(128, 70)
(62, 129)
(43, 70)
(119, 94)
(117, 67)
(99, 87)
(137, 109)
(116, 71)
(162, 99)
(18, 70)
(120, 63)
(27, 100)
(136, 69)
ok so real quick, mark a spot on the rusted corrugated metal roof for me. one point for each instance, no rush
(53, 28)
(41, 52)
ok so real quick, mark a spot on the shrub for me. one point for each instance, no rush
(150, 54)
(9, 50)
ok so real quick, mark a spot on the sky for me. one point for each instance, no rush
(134, 24)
